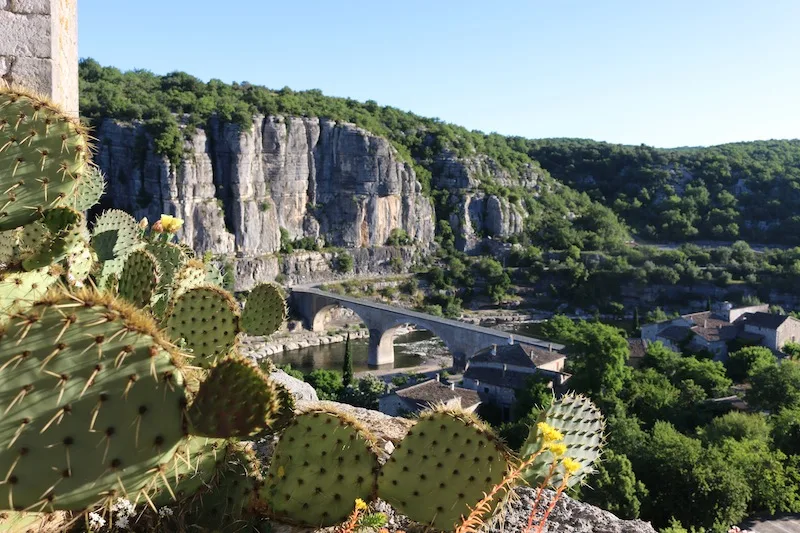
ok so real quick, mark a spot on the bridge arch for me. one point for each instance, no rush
(382, 353)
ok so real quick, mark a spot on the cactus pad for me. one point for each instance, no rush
(64, 228)
(43, 154)
(93, 402)
(115, 235)
(442, 468)
(322, 463)
(235, 400)
(90, 190)
(139, 278)
(170, 258)
(213, 275)
(582, 425)
(264, 311)
(19, 290)
(190, 275)
(208, 319)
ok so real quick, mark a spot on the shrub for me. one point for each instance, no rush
(344, 263)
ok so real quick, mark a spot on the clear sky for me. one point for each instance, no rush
(660, 72)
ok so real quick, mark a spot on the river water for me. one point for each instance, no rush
(411, 349)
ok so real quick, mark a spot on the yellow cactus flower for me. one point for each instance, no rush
(558, 449)
(361, 505)
(281, 472)
(171, 224)
(571, 465)
(548, 432)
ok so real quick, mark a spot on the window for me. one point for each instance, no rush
(486, 389)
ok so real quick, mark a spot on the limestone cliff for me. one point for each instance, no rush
(474, 214)
(235, 189)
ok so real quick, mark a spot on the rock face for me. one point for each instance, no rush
(474, 214)
(235, 190)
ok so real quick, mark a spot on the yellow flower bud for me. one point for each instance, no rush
(548, 432)
(571, 465)
(360, 504)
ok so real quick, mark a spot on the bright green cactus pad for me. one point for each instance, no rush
(65, 228)
(170, 258)
(19, 522)
(322, 464)
(90, 190)
(115, 235)
(93, 402)
(213, 275)
(208, 319)
(19, 290)
(264, 310)
(235, 400)
(192, 468)
(43, 157)
(442, 468)
(189, 276)
(8, 246)
(80, 261)
(139, 278)
(582, 425)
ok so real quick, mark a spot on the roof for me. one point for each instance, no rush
(433, 392)
(638, 347)
(523, 355)
(764, 320)
(712, 327)
(675, 333)
(510, 379)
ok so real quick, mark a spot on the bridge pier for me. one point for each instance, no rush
(381, 348)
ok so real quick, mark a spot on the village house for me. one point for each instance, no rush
(416, 398)
(724, 329)
(496, 373)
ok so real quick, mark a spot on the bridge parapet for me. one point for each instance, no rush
(462, 339)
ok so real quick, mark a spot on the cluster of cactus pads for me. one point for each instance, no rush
(120, 375)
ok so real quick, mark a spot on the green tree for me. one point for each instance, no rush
(327, 383)
(776, 387)
(792, 349)
(738, 426)
(363, 393)
(598, 357)
(786, 430)
(347, 366)
(650, 396)
(614, 487)
(710, 375)
(344, 262)
(636, 325)
(560, 328)
(536, 395)
(742, 363)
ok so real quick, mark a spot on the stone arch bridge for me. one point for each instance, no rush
(462, 339)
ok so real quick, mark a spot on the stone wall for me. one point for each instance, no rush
(39, 48)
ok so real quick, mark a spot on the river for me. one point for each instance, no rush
(411, 349)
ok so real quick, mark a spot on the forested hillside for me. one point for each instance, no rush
(745, 191)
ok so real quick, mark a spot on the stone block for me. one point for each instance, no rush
(25, 35)
(32, 73)
(38, 7)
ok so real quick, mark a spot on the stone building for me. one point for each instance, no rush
(416, 398)
(723, 329)
(496, 373)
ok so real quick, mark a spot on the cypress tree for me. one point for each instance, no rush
(347, 367)
(636, 326)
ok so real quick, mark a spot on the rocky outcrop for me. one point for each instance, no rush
(473, 214)
(314, 267)
(235, 190)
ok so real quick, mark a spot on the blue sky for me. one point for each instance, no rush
(662, 72)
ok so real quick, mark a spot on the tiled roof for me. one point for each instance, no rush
(509, 379)
(764, 320)
(433, 392)
(523, 355)
(675, 333)
(712, 327)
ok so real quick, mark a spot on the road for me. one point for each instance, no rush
(778, 524)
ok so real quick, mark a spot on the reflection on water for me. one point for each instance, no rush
(409, 350)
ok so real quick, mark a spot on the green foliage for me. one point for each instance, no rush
(614, 487)
(347, 366)
(792, 349)
(535, 396)
(327, 383)
(364, 392)
(399, 237)
(776, 387)
(738, 426)
(598, 359)
(786, 430)
(344, 262)
(747, 361)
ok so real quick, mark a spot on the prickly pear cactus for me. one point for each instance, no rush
(265, 310)
(170, 258)
(139, 278)
(115, 235)
(190, 275)
(43, 158)
(582, 425)
(19, 290)
(442, 468)
(208, 319)
(93, 403)
(64, 232)
(90, 190)
(235, 400)
(322, 463)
